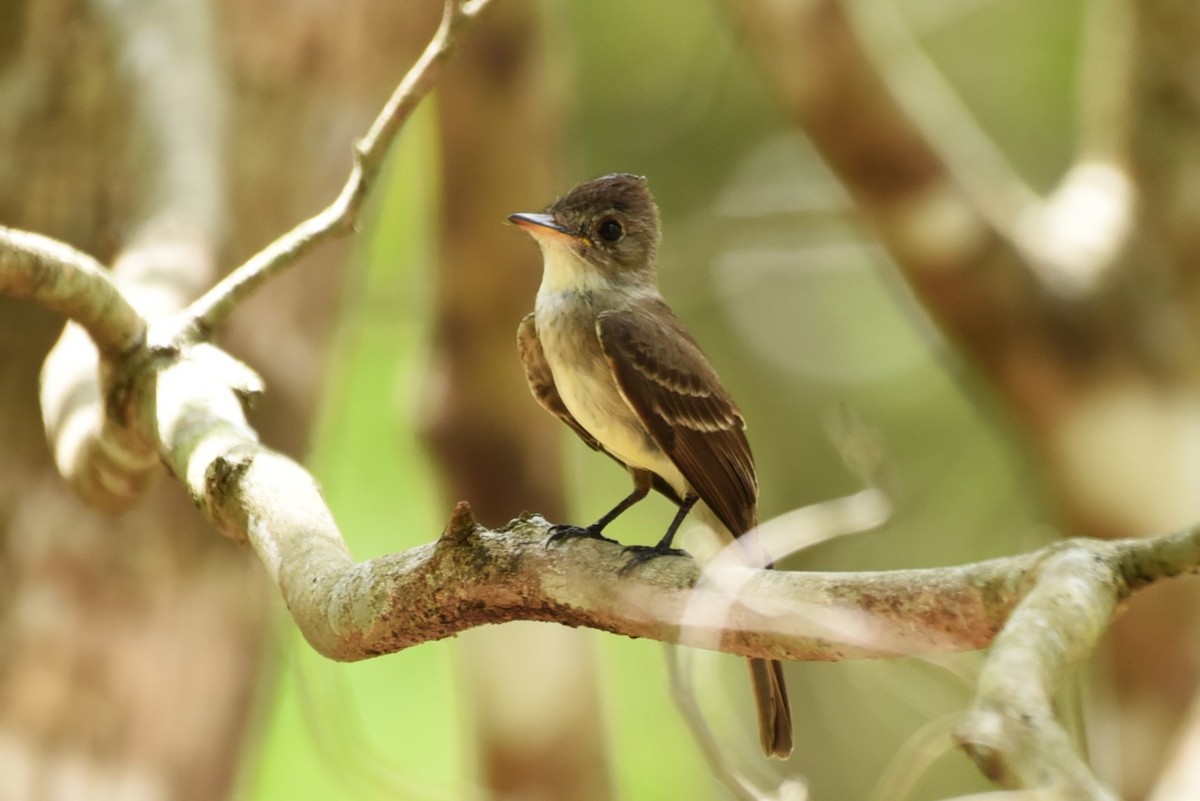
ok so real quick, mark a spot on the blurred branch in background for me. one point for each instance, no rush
(168, 56)
(1077, 311)
(112, 126)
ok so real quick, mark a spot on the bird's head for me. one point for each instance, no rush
(609, 224)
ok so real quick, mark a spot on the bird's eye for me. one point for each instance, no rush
(610, 231)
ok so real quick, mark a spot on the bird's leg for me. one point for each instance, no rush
(641, 488)
(644, 553)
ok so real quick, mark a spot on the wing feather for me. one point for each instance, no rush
(666, 379)
(541, 380)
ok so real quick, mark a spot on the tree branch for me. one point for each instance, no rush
(1012, 731)
(471, 576)
(966, 270)
(72, 283)
(101, 456)
(1044, 611)
(99, 445)
(1164, 140)
(1062, 306)
(1057, 602)
(1000, 268)
(168, 53)
(341, 216)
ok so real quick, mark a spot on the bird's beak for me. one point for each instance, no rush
(541, 225)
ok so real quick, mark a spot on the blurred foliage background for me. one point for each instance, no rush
(801, 313)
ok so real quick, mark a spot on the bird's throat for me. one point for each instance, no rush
(565, 269)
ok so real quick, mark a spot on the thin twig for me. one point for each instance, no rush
(341, 216)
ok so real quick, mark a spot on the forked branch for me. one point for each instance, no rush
(341, 216)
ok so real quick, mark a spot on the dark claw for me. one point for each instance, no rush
(565, 532)
(644, 553)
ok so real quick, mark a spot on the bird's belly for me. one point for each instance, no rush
(588, 390)
(594, 400)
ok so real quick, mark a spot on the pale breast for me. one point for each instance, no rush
(566, 328)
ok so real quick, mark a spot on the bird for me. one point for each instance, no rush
(606, 355)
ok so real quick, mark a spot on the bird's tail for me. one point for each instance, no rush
(774, 713)
(766, 675)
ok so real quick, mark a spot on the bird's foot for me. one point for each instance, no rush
(565, 532)
(644, 553)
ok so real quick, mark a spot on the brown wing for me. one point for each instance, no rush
(666, 379)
